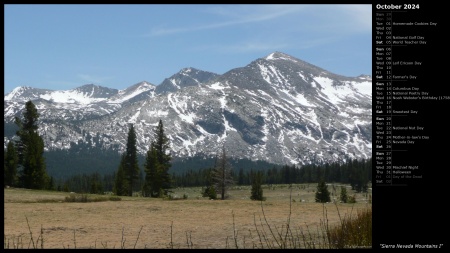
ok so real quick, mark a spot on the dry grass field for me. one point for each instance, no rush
(195, 222)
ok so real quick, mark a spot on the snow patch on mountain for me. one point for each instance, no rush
(71, 96)
(129, 93)
(333, 93)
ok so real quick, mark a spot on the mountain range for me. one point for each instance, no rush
(278, 109)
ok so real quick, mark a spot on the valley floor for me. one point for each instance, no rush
(195, 222)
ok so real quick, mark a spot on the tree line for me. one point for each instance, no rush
(344, 172)
(355, 172)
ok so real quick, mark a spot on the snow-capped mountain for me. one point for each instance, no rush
(278, 109)
(86, 94)
(81, 103)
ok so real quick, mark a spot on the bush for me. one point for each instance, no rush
(115, 198)
(352, 199)
(210, 192)
(84, 198)
(353, 231)
(175, 197)
(77, 198)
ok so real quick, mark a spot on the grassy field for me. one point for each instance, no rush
(195, 222)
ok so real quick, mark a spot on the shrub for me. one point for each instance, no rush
(352, 199)
(84, 198)
(115, 198)
(210, 192)
(353, 231)
(77, 198)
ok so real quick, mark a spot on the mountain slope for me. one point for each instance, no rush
(278, 109)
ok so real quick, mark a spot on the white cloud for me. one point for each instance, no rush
(236, 15)
(343, 17)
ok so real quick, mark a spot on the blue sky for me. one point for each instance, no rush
(61, 46)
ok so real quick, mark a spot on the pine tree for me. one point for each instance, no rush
(30, 149)
(120, 183)
(210, 190)
(163, 155)
(257, 191)
(131, 167)
(221, 174)
(322, 194)
(157, 165)
(152, 181)
(344, 196)
(11, 163)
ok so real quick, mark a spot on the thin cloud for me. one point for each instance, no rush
(256, 13)
(264, 45)
(352, 18)
(250, 14)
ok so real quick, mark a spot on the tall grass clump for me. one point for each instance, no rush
(352, 232)
(17, 242)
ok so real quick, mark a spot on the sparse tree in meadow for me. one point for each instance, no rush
(157, 165)
(210, 190)
(152, 184)
(221, 174)
(257, 191)
(30, 149)
(131, 167)
(344, 196)
(322, 193)
(162, 146)
(120, 183)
